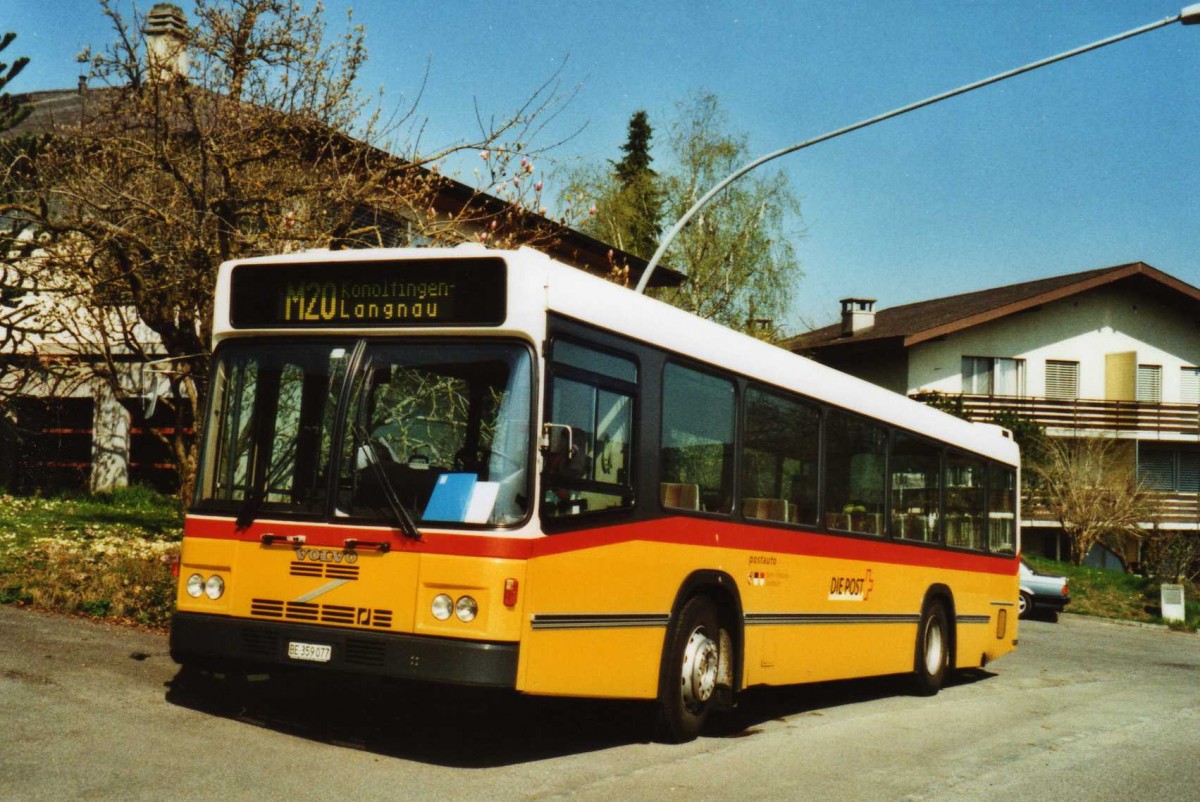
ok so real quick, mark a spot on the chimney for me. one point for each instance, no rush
(166, 34)
(858, 314)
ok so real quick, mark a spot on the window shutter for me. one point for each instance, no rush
(1156, 469)
(1189, 472)
(1149, 383)
(1189, 386)
(1062, 379)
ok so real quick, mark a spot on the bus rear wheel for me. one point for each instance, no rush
(932, 658)
(690, 672)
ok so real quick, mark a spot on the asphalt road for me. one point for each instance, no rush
(1084, 710)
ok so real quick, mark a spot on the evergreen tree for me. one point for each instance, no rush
(12, 112)
(637, 150)
(639, 196)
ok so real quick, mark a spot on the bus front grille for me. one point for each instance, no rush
(318, 570)
(321, 613)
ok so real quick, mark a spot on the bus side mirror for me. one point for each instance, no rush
(557, 441)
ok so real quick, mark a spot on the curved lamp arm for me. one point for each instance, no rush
(1188, 16)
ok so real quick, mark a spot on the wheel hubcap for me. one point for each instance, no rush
(934, 652)
(699, 669)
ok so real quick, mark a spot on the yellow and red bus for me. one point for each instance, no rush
(488, 468)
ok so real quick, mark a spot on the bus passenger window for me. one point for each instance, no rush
(916, 488)
(591, 398)
(1002, 509)
(854, 474)
(779, 459)
(697, 438)
(964, 501)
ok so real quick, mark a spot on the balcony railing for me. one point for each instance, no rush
(1177, 508)
(1084, 415)
(1174, 510)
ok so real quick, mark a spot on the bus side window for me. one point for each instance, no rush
(854, 473)
(964, 501)
(916, 488)
(779, 459)
(587, 460)
(697, 438)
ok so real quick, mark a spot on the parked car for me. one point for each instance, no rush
(1042, 593)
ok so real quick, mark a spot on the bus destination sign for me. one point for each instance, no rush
(395, 294)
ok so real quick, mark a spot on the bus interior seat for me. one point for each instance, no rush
(767, 509)
(680, 495)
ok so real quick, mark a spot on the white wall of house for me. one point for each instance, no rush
(1082, 328)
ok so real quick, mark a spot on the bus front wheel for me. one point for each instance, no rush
(932, 657)
(690, 673)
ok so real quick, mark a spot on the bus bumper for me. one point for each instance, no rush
(216, 642)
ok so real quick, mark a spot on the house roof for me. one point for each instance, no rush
(918, 322)
(65, 108)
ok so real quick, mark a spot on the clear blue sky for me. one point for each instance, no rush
(1088, 163)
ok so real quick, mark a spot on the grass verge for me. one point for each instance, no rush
(102, 556)
(1113, 594)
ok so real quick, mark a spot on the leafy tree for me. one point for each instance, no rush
(1092, 493)
(261, 143)
(740, 263)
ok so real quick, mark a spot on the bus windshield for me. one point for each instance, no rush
(333, 428)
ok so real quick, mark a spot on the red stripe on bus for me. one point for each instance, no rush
(676, 530)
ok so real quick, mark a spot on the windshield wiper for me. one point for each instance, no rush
(250, 506)
(403, 517)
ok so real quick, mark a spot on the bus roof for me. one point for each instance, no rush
(573, 293)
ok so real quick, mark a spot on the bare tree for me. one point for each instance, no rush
(1093, 494)
(251, 136)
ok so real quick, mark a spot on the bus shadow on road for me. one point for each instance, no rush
(757, 706)
(441, 725)
(476, 728)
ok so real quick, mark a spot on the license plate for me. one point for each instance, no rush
(314, 652)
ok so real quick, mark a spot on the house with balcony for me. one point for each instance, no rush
(1112, 352)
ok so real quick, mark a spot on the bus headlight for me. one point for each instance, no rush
(195, 586)
(466, 609)
(214, 587)
(442, 606)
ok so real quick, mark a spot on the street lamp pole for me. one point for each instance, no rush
(1188, 16)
